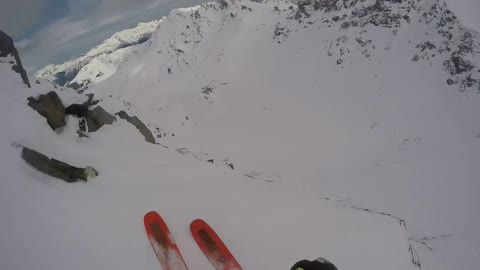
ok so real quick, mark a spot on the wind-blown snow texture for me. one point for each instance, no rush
(295, 131)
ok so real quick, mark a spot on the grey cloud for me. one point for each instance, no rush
(17, 16)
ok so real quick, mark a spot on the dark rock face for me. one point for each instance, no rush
(139, 125)
(458, 44)
(81, 110)
(51, 107)
(97, 118)
(56, 168)
(379, 13)
(7, 47)
(82, 125)
(6, 44)
(223, 4)
(62, 78)
(77, 86)
(78, 110)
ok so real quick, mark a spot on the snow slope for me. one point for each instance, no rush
(49, 224)
(100, 62)
(296, 132)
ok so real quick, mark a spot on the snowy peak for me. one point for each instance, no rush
(100, 62)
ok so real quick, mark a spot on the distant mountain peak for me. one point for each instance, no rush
(70, 73)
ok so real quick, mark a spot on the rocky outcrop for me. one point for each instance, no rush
(223, 4)
(56, 168)
(97, 118)
(81, 110)
(78, 110)
(447, 40)
(6, 44)
(6, 48)
(51, 107)
(147, 134)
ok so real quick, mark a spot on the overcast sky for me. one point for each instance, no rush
(53, 31)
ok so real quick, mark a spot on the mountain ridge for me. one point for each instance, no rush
(81, 71)
(444, 37)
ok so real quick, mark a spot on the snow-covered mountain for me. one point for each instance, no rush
(442, 39)
(100, 62)
(343, 129)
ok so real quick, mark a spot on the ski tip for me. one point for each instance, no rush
(199, 224)
(196, 223)
(150, 215)
(213, 246)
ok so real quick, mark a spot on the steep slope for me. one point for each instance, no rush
(49, 224)
(278, 123)
(371, 103)
(100, 62)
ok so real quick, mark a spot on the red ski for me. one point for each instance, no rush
(213, 247)
(163, 243)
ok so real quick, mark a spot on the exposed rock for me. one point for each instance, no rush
(78, 110)
(81, 134)
(51, 107)
(82, 128)
(229, 164)
(447, 39)
(81, 110)
(223, 4)
(82, 125)
(7, 47)
(327, 5)
(77, 86)
(97, 118)
(6, 44)
(56, 168)
(139, 125)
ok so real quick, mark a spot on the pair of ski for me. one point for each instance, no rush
(168, 253)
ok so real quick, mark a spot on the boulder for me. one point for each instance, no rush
(51, 107)
(97, 118)
(139, 125)
(56, 168)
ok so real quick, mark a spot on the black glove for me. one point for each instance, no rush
(318, 264)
